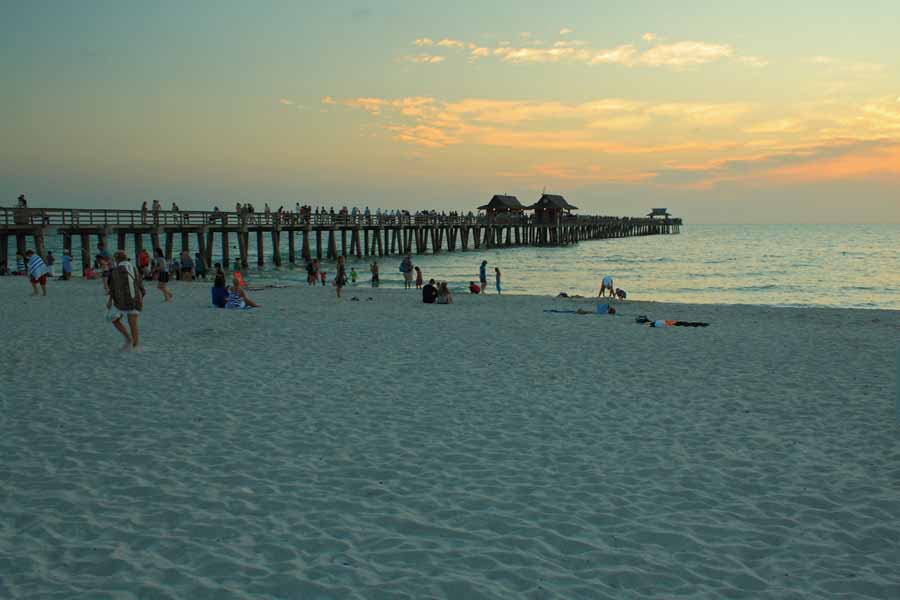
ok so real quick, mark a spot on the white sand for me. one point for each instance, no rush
(389, 449)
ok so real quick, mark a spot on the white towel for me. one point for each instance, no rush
(36, 267)
(132, 276)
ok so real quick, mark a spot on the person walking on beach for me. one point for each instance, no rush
(419, 280)
(482, 275)
(374, 269)
(161, 272)
(37, 272)
(67, 265)
(126, 297)
(497, 277)
(340, 278)
(406, 267)
(607, 286)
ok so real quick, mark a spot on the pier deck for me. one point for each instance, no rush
(322, 236)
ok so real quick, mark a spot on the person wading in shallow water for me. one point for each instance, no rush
(340, 278)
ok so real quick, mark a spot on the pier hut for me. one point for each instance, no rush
(550, 208)
(502, 205)
(659, 212)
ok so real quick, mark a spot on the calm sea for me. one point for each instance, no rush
(789, 265)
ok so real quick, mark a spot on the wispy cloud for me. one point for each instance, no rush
(685, 54)
(424, 42)
(677, 55)
(451, 43)
(566, 31)
(285, 101)
(425, 58)
(847, 66)
(328, 100)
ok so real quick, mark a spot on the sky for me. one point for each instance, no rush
(723, 112)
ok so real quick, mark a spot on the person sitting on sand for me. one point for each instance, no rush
(443, 295)
(429, 292)
(621, 294)
(607, 286)
(237, 297)
(219, 289)
(37, 272)
(474, 288)
(126, 294)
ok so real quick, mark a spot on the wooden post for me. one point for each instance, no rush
(366, 241)
(210, 240)
(85, 252)
(318, 244)
(101, 237)
(225, 250)
(276, 246)
(476, 231)
(154, 240)
(332, 243)
(201, 245)
(244, 247)
(260, 250)
(20, 244)
(170, 245)
(343, 241)
(39, 246)
(120, 241)
(138, 243)
(378, 235)
(185, 242)
(292, 249)
(4, 252)
(304, 252)
(67, 243)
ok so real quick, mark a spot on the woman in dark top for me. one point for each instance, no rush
(219, 289)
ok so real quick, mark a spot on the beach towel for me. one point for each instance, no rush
(125, 287)
(36, 267)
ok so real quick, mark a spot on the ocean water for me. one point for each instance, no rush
(786, 265)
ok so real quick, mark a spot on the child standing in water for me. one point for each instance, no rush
(497, 275)
(353, 275)
(324, 275)
(419, 280)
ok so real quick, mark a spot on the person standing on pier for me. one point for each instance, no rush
(23, 203)
(156, 208)
(37, 272)
(144, 212)
(340, 278)
(482, 275)
(406, 267)
(161, 271)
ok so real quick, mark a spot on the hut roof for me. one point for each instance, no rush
(552, 201)
(503, 202)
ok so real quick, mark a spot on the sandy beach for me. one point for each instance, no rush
(318, 448)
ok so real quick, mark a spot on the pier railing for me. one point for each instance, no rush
(150, 218)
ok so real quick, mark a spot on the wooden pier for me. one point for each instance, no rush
(322, 236)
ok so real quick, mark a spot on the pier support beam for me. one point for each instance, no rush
(225, 251)
(260, 251)
(138, 243)
(4, 253)
(276, 246)
(292, 247)
(85, 252)
(201, 246)
(170, 245)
